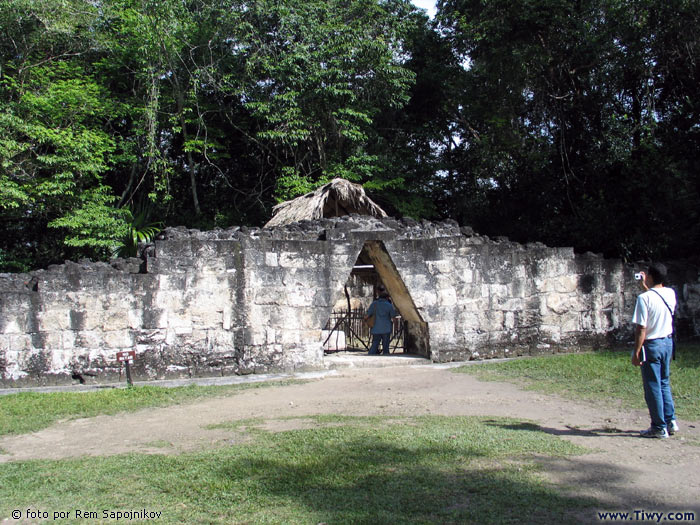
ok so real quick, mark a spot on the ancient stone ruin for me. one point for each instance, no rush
(241, 301)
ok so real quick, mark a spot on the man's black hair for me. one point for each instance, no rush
(658, 272)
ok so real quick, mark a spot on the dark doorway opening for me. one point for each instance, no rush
(346, 330)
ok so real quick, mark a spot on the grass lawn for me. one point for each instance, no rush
(343, 470)
(30, 411)
(599, 376)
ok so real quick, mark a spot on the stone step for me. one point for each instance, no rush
(362, 360)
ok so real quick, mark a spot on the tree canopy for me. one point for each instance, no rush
(571, 122)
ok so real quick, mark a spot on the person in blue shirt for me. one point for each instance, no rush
(383, 312)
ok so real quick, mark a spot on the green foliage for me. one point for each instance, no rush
(316, 74)
(565, 116)
(572, 123)
(140, 230)
(95, 223)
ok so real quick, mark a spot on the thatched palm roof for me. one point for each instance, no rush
(335, 199)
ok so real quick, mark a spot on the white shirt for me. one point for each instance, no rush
(651, 312)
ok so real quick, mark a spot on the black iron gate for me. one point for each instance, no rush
(351, 324)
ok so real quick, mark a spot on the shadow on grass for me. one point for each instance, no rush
(362, 482)
(567, 431)
(450, 470)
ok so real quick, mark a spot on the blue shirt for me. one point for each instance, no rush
(383, 311)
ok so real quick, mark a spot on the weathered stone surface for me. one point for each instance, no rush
(246, 300)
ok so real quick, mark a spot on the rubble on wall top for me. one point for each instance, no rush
(406, 228)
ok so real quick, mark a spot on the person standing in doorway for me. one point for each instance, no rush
(383, 312)
(653, 347)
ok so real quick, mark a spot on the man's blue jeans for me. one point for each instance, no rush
(384, 338)
(657, 383)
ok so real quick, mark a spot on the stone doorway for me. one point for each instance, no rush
(373, 267)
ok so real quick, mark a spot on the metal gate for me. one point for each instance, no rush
(349, 325)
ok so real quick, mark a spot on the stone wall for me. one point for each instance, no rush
(242, 301)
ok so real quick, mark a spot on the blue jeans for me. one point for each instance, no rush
(657, 383)
(384, 338)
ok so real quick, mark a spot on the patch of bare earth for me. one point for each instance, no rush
(624, 472)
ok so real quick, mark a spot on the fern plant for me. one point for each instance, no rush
(141, 230)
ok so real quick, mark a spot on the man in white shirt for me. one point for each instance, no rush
(653, 347)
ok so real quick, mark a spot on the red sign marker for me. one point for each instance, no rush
(127, 355)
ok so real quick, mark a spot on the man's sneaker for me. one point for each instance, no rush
(673, 427)
(652, 432)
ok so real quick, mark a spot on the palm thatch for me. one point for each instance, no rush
(335, 199)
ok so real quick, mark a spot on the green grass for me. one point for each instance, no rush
(30, 411)
(359, 470)
(599, 376)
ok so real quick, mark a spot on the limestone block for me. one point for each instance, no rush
(220, 341)
(206, 319)
(68, 340)
(61, 361)
(424, 298)
(442, 329)
(215, 267)
(170, 301)
(417, 281)
(271, 259)
(491, 320)
(495, 291)
(115, 319)
(47, 340)
(588, 320)
(571, 322)
(466, 276)
(135, 318)
(509, 321)
(179, 318)
(177, 248)
(171, 338)
(198, 337)
(509, 304)
(467, 320)
(15, 313)
(558, 303)
(439, 266)
(15, 325)
(88, 339)
(21, 342)
(155, 318)
(311, 318)
(550, 333)
(205, 249)
(443, 281)
(183, 330)
(53, 319)
(296, 260)
(322, 298)
(447, 297)
(269, 295)
(256, 336)
(118, 339)
(172, 283)
(227, 317)
(213, 283)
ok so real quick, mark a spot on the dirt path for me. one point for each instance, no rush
(624, 472)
